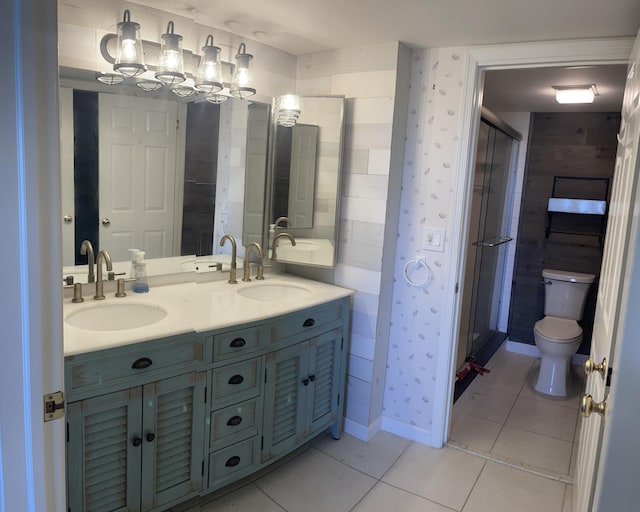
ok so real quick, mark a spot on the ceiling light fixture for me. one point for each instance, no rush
(171, 62)
(570, 94)
(242, 82)
(209, 77)
(129, 54)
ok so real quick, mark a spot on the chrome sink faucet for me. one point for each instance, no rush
(275, 243)
(102, 255)
(87, 248)
(246, 268)
(232, 274)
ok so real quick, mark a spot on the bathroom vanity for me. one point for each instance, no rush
(220, 382)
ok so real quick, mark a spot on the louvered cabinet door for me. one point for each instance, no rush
(283, 400)
(104, 453)
(324, 366)
(173, 438)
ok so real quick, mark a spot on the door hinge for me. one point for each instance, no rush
(338, 398)
(341, 343)
(177, 124)
(202, 467)
(265, 375)
(205, 395)
(262, 443)
(456, 288)
(53, 406)
(609, 374)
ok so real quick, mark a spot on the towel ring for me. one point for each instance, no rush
(419, 262)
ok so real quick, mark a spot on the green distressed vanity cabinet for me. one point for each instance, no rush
(154, 423)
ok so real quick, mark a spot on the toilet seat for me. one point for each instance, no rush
(558, 330)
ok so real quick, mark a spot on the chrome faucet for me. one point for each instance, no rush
(103, 254)
(232, 274)
(247, 255)
(87, 248)
(275, 243)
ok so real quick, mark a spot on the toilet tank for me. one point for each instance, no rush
(565, 293)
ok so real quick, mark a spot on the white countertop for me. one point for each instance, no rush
(195, 307)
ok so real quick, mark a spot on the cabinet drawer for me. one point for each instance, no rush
(96, 371)
(234, 423)
(232, 460)
(235, 382)
(305, 321)
(235, 343)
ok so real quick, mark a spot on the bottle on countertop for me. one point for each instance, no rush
(140, 285)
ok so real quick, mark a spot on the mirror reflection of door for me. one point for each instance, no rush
(295, 174)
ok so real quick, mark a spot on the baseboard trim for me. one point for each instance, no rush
(531, 350)
(407, 431)
(362, 432)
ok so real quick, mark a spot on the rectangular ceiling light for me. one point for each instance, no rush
(575, 93)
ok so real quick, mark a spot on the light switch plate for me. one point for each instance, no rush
(433, 239)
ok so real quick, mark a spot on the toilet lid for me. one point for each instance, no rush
(560, 329)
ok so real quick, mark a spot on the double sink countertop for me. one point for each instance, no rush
(187, 307)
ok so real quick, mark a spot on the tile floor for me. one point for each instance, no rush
(503, 434)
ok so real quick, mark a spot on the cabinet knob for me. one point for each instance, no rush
(137, 441)
(238, 343)
(236, 379)
(309, 322)
(233, 461)
(312, 378)
(150, 437)
(142, 363)
(305, 382)
(234, 421)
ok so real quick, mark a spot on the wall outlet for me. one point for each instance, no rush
(433, 239)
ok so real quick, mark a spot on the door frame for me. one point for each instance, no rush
(477, 60)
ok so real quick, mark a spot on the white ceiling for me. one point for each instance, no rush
(305, 26)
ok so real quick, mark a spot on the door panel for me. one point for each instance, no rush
(324, 359)
(302, 179)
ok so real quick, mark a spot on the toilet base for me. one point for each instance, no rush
(553, 376)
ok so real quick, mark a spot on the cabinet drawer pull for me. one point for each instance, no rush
(234, 421)
(238, 343)
(150, 437)
(309, 322)
(305, 382)
(233, 461)
(142, 363)
(236, 379)
(137, 441)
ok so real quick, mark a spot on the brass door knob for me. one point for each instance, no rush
(106, 221)
(587, 406)
(590, 367)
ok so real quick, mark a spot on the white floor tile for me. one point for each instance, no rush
(445, 475)
(505, 379)
(543, 418)
(491, 404)
(315, 479)
(246, 499)
(501, 488)
(374, 457)
(534, 449)
(474, 432)
(385, 498)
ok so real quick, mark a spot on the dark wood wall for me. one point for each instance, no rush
(560, 144)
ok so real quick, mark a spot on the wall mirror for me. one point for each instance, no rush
(305, 178)
(158, 174)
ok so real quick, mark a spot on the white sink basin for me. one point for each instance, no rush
(115, 317)
(274, 292)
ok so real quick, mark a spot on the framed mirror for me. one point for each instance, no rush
(305, 178)
(159, 174)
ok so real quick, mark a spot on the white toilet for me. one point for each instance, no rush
(558, 334)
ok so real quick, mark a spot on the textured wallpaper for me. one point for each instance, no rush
(427, 198)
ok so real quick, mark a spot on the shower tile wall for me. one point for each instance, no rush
(561, 144)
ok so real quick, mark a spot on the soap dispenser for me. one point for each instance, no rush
(140, 285)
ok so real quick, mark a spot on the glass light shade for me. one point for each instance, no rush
(109, 78)
(216, 98)
(242, 81)
(171, 61)
(149, 85)
(183, 91)
(209, 77)
(129, 53)
(570, 95)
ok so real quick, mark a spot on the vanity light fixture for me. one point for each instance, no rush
(183, 91)
(149, 85)
(570, 94)
(216, 98)
(171, 62)
(109, 78)
(242, 81)
(288, 110)
(129, 54)
(209, 77)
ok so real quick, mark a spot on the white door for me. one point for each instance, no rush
(618, 264)
(302, 177)
(137, 175)
(255, 173)
(66, 173)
